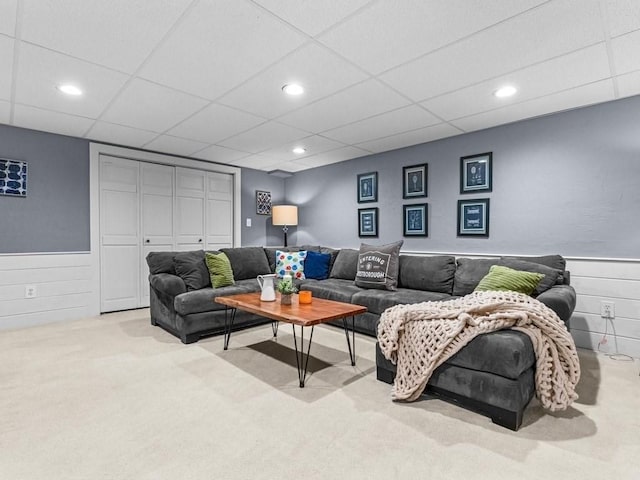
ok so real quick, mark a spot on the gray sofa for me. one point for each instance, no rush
(493, 374)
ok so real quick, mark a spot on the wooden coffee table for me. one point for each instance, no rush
(304, 315)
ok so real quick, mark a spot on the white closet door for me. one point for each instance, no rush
(219, 210)
(157, 217)
(190, 205)
(119, 234)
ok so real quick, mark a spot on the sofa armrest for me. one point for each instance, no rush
(561, 299)
(167, 284)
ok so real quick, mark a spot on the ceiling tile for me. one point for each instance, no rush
(215, 123)
(385, 124)
(414, 137)
(148, 106)
(263, 137)
(6, 57)
(413, 28)
(218, 45)
(355, 103)
(48, 121)
(258, 162)
(553, 29)
(626, 52)
(562, 73)
(334, 156)
(313, 144)
(119, 34)
(307, 66)
(312, 17)
(623, 16)
(121, 135)
(574, 98)
(216, 153)
(5, 111)
(41, 70)
(629, 84)
(8, 10)
(175, 145)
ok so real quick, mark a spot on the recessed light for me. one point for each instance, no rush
(293, 89)
(69, 89)
(299, 150)
(506, 91)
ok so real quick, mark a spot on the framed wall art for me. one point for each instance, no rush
(368, 187)
(263, 202)
(414, 181)
(13, 177)
(415, 220)
(367, 222)
(473, 218)
(475, 173)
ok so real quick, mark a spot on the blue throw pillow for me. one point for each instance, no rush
(316, 265)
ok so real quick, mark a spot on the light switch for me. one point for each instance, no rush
(248, 222)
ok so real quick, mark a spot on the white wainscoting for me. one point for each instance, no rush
(617, 281)
(65, 287)
(68, 290)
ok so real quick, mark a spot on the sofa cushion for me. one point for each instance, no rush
(553, 261)
(377, 301)
(551, 276)
(334, 254)
(337, 289)
(502, 278)
(202, 300)
(191, 268)
(247, 262)
(316, 265)
(220, 270)
(161, 262)
(290, 263)
(345, 265)
(378, 266)
(431, 274)
(469, 272)
(507, 353)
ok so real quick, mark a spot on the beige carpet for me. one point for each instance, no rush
(115, 398)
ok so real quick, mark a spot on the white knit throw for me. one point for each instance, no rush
(420, 337)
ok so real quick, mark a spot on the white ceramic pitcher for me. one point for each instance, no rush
(266, 283)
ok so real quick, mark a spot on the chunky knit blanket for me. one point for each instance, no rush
(420, 337)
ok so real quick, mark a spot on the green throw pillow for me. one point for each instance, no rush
(505, 278)
(219, 269)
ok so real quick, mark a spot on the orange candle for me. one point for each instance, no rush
(304, 296)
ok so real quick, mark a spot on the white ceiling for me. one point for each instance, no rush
(203, 78)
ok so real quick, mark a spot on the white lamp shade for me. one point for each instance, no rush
(284, 215)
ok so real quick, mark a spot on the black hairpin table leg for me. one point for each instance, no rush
(229, 318)
(302, 359)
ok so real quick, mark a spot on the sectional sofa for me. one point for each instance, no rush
(493, 374)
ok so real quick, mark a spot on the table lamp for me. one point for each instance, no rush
(285, 215)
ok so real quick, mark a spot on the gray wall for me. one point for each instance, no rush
(54, 217)
(566, 183)
(261, 232)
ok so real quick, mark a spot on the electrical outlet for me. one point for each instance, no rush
(248, 222)
(30, 291)
(608, 310)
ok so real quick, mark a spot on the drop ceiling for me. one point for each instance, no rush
(203, 78)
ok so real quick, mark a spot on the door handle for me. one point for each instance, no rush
(148, 241)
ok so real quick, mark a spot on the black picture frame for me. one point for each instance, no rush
(414, 181)
(368, 187)
(476, 173)
(368, 222)
(263, 202)
(473, 218)
(415, 220)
